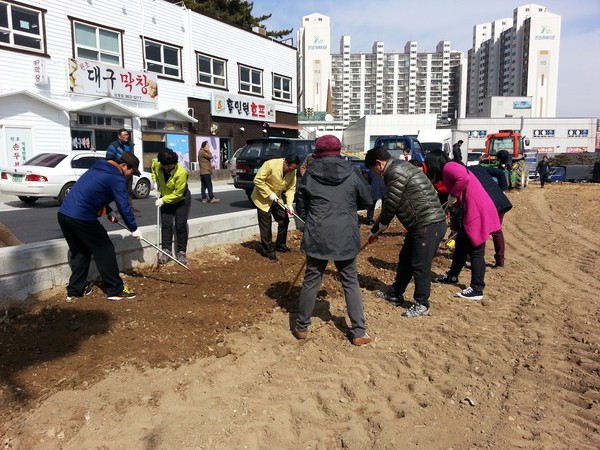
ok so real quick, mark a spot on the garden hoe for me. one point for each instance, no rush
(197, 275)
(156, 263)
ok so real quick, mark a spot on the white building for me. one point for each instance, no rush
(73, 72)
(314, 49)
(516, 57)
(351, 85)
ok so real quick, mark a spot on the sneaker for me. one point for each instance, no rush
(127, 293)
(204, 200)
(391, 296)
(416, 310)
(215, 200)
(182, 258)
(446, 279)
(162, 258)
(470, 294)
(87, 290)
(366, 339)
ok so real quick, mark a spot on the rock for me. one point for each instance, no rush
(222, 351)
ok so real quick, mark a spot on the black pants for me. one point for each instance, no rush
(543, 178)
(87, 239)
(179, 212)
(264, 225)
(206, 183)
(464, 248)
(415, 260)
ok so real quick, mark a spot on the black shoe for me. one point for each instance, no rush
(283, 249)
(272, 257)
(369, 221)
(498, 265)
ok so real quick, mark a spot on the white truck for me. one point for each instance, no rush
(444, 140)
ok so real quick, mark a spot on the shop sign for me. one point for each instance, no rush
(577, 133)
(40, 76)
(241, 107)
(522, 104)
(543, 133)
(18, 143)
(97, 79)
(576, 149)
(478, 134)
(544, 149)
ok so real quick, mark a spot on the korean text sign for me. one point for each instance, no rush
(94, 78)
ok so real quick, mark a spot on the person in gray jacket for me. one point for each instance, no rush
(410, 197)
(329, 196)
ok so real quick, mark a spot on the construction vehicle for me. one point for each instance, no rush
(513, 143)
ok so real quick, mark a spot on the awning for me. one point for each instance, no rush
(103, 106)
(38, 97)
(170, 114)
(283, 125)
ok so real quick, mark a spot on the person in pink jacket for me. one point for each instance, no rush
(480, 220)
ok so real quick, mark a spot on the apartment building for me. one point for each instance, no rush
(516, 56)
(73, 72)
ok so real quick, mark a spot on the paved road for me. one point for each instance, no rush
(37, 222)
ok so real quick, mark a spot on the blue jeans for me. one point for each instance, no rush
(206, 183)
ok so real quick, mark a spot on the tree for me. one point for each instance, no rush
(235, 12)
(560, 159)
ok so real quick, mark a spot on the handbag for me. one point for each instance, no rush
(457, 216)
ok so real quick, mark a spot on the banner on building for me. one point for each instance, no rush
(522, 104)
(544, 149)
(179, 143)
(576, 149)
(214, 145)
(241, 107)
(97, 79)
(18, 146)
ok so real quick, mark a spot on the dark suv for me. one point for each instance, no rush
(257, 151)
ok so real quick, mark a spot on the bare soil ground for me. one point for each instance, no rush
(211, 363)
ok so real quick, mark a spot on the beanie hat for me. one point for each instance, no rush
(328, 145)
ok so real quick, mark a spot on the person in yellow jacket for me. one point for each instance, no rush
(275, 177)
(174, 201)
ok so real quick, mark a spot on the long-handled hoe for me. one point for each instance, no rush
(196, 274)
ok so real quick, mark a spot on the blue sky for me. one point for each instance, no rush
(429, 21)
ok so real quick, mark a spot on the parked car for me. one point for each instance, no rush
(256, 151)
(52, 175)
(231, 164)
(473, 158)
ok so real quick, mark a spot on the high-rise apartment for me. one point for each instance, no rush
(410, 82)
(514, 57)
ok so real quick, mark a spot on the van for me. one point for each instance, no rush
(256, 151)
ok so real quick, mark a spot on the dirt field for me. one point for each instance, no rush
(211, 363)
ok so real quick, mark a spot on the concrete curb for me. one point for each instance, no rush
(31, 268)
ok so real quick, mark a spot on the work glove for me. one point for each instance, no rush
(290, 210)
(159, 202)
(451, 200)
(374, 233)
(112, 217)
(273, 197)
(137, 234)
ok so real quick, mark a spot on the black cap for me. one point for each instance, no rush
(132, 161)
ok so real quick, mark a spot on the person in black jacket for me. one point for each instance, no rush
(543, 168)
(495, 184)
(412, 199)
(457, 152)
(329, 196)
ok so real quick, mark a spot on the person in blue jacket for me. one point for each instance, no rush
(103, 183)
(114, 152)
